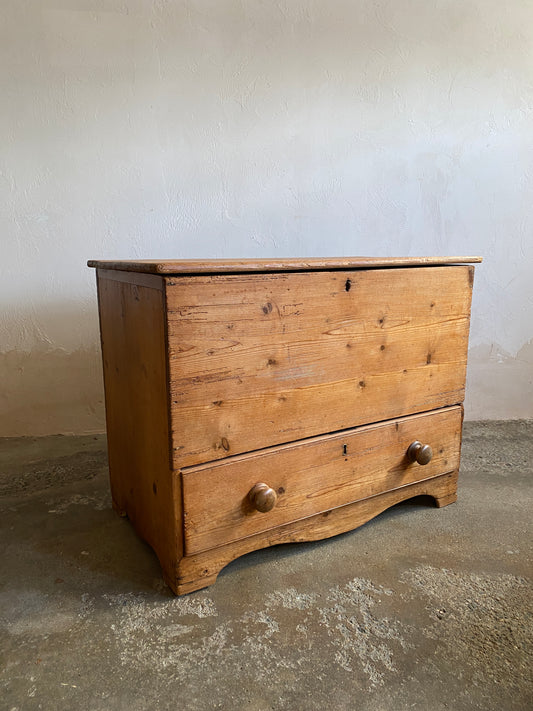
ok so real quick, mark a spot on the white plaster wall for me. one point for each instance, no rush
(217, 128)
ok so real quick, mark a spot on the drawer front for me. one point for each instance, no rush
(265, 359)
(313, 476)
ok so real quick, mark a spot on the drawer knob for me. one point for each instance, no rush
(418, 452)
(263, 498)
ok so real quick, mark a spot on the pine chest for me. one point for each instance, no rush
(256, 402)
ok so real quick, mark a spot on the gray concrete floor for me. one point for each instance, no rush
(421, 608)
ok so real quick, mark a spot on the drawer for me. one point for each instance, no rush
(266, 359)
(312, 476)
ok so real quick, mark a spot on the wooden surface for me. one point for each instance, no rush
(198, 571)
(132, 327)
(218, 266)
(202, 372)
(313, 476)
(264, 359)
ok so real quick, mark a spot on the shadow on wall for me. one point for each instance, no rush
(47, 389)
(499, 385)
(50, 391)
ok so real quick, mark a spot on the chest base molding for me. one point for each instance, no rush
(201, 570)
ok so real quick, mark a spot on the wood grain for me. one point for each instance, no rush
(220, 266)
(313, 476)
(258, 360)
(312, 376)
(132, 324)
(200, 570)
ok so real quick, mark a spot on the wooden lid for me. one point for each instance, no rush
(224, 266)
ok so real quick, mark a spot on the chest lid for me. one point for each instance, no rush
(227, 266)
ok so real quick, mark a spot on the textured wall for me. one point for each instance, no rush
(209, 128)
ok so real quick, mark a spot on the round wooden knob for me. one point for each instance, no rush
(418, 452)
(263, 498)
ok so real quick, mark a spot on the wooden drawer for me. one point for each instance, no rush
(265, 359)
(313, 476)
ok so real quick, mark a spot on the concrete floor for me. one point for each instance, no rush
(419, 609)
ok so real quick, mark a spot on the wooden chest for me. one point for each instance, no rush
(256, 402)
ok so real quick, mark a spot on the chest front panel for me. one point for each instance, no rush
(257, 360)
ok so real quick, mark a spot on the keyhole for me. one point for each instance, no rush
(344, 448)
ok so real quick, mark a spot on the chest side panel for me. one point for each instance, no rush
(264, 359)
(132, 323)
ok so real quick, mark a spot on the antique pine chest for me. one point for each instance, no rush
(256, 402)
